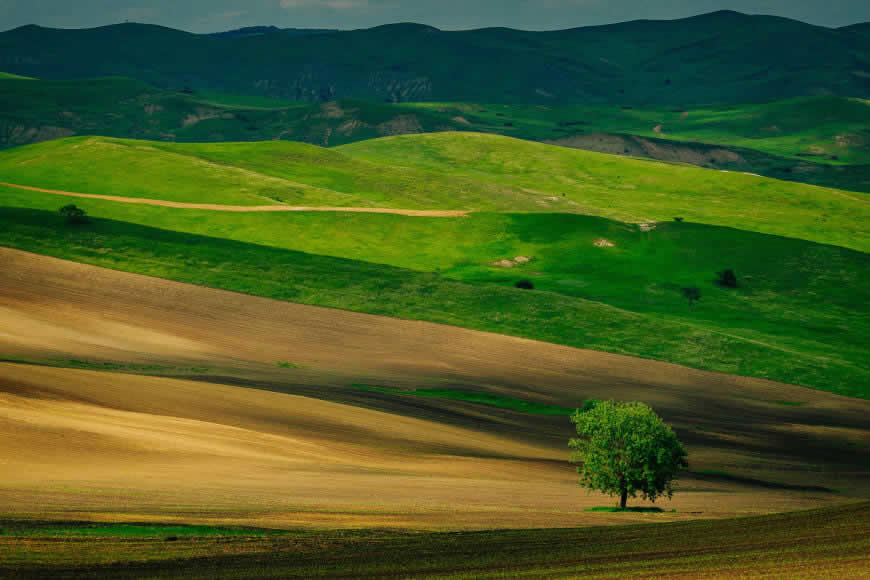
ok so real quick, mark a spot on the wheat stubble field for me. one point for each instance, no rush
(238, 439)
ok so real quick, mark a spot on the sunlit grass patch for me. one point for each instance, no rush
(122, 530)
(287, 365)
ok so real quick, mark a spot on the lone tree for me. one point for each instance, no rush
(74, 214)
(625, 449)
(691, 293)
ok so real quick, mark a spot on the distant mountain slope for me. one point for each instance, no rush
(257, 30)
(34, 111)
(818, 129)
(861, 28)
(820, 140)
(718, 57)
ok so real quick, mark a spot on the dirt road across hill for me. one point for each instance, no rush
(246, 208)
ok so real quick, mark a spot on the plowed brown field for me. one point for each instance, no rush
(302, 446)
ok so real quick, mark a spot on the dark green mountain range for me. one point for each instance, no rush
(715, 58)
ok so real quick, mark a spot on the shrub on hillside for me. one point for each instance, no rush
(74, 214)
(525, 284)
(727, 278)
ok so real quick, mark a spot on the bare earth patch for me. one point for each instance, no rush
(508, 263)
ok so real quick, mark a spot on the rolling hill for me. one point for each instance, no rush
(228, 215)
(820, 140)
(717, 57)
(756, 446)
(799, 315)
(334, 297)
(445, 171)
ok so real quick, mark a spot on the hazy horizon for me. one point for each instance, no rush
(222, 15)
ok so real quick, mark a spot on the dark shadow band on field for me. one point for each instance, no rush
(721, 476)
(501, 422)
(529, 428)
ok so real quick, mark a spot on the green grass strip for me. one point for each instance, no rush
(490, 399)
(133, 530)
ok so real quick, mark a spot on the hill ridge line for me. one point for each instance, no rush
(203, 160)
(245, 208)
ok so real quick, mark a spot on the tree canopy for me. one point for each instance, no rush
(625, 449)
(74, 214)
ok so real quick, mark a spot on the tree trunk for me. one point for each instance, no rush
(623, 499)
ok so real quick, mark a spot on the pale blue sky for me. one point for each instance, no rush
(215, 15)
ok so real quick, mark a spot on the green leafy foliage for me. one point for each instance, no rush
(74, 214)
(588, 405)
(626, 450)
(727, 278)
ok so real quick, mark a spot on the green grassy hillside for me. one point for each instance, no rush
(833, 129)
(633, 190)
(10, 76)
(827, 128)
(247, 174)
(717, 57)
(597, 240)
(820, 140)
(441, 171)
(798, 316)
